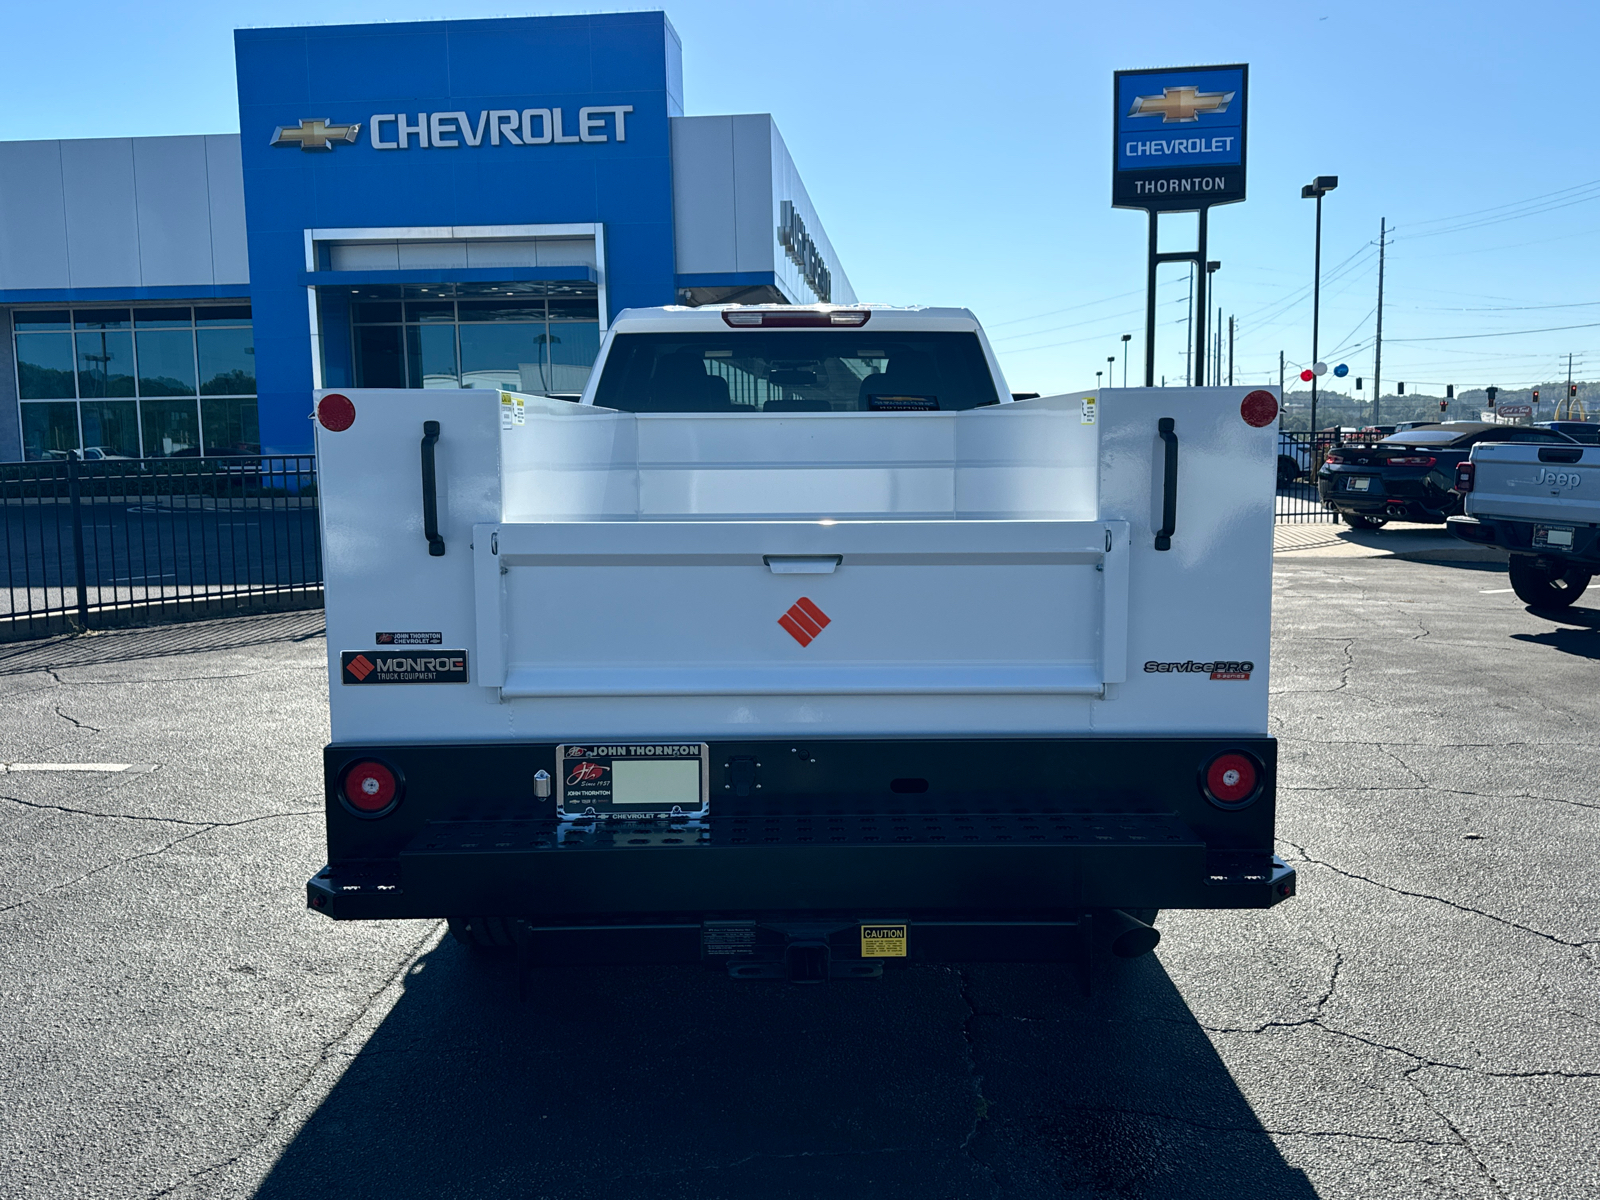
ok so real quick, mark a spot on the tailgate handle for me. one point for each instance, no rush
(1560, 454)
(802, 564)
(430, 490)
(1169, 484)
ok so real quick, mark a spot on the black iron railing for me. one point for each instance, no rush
(120, 541)
(1300, 456)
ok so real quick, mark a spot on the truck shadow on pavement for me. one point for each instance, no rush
(1581, 636)
(632, 1082)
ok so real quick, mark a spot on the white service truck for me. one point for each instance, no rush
(1540, 503)
(798, 646)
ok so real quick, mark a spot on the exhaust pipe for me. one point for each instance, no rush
(1130, 937)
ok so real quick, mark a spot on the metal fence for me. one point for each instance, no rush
(1300, 456)
(119, 541)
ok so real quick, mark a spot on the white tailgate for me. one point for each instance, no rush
(669, 608)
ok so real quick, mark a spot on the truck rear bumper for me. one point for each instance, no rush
(1517, 536)
(951, 867)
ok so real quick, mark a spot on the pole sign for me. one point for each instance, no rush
(1180, 138)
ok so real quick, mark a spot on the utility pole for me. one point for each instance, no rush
(1216, 370)
(1568, 396)
(1377, 360)
(1188, 333)
(1280, 383)
(1230, 351)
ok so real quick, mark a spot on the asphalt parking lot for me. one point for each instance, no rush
(1421, 1021)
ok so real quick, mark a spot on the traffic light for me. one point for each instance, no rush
(1572, 391)
(1536, 395)
(1443, 404)
(1449, 391)
(1493, 392)
(1401, 391)
(1358, 383)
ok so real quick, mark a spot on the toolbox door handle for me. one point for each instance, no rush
(430, 490)
(1166, 427)
(802, 564)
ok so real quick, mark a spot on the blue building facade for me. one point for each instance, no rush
(434, 204)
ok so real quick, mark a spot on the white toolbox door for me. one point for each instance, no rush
(630, 608)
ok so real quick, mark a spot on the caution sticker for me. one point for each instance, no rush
(883, 941)
(1088, 417)
(513, 410)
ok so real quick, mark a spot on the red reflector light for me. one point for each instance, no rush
(1232, 779)
(370, 788)
(335, 412)
(1413, 460)
(1466, 475)
(1334, 458)
(1259, 408)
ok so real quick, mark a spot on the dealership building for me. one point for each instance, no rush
(440, 205)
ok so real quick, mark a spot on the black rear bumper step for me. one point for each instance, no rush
(956, 865)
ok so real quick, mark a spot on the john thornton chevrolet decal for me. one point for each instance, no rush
(381, 666)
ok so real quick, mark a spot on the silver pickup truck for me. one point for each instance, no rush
(1541, 503)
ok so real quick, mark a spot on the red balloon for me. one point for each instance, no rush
(1308, 376)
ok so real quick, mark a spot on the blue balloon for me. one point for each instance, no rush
(1341, 370)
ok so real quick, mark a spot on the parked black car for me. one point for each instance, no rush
(1578, 431)
(1410, 475)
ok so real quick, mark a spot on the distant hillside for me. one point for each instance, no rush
(1338, 408)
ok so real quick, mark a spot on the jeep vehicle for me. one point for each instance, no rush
(1542, 504)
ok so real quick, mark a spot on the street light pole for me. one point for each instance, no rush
(1316, 190)
(1126, 338)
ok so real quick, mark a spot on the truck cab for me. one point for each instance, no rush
(797, 646)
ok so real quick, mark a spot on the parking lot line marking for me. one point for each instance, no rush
(103, 768)
(1493, 591)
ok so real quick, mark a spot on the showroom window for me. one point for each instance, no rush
(535, 338)
(167, 381)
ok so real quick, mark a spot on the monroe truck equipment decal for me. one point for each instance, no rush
(378, 666)
(804, 621)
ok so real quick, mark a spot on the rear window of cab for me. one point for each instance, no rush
(795, 370)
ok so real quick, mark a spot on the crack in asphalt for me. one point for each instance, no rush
(1455, 1129)
(87, 812)
(1428, 787)
(969, 1050)
(1305, 856)
(122, 862)
(324, 1053)
(79, 724)
(1257, 1129)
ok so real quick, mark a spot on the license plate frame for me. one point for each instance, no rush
(1358, 483)
(633, 781)
(1567, 535)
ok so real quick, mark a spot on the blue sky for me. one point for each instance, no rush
(960, 155)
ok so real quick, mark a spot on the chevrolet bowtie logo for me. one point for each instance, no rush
(319, 134)
(1180, 104)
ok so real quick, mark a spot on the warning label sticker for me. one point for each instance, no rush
(883, 941)
(379, 666)
(513, 410)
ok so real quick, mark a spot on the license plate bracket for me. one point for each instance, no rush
(632, 780)
(1554, 537)
(1358, 483)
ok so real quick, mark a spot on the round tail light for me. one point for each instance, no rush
(370, 789)
(1232, 779)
